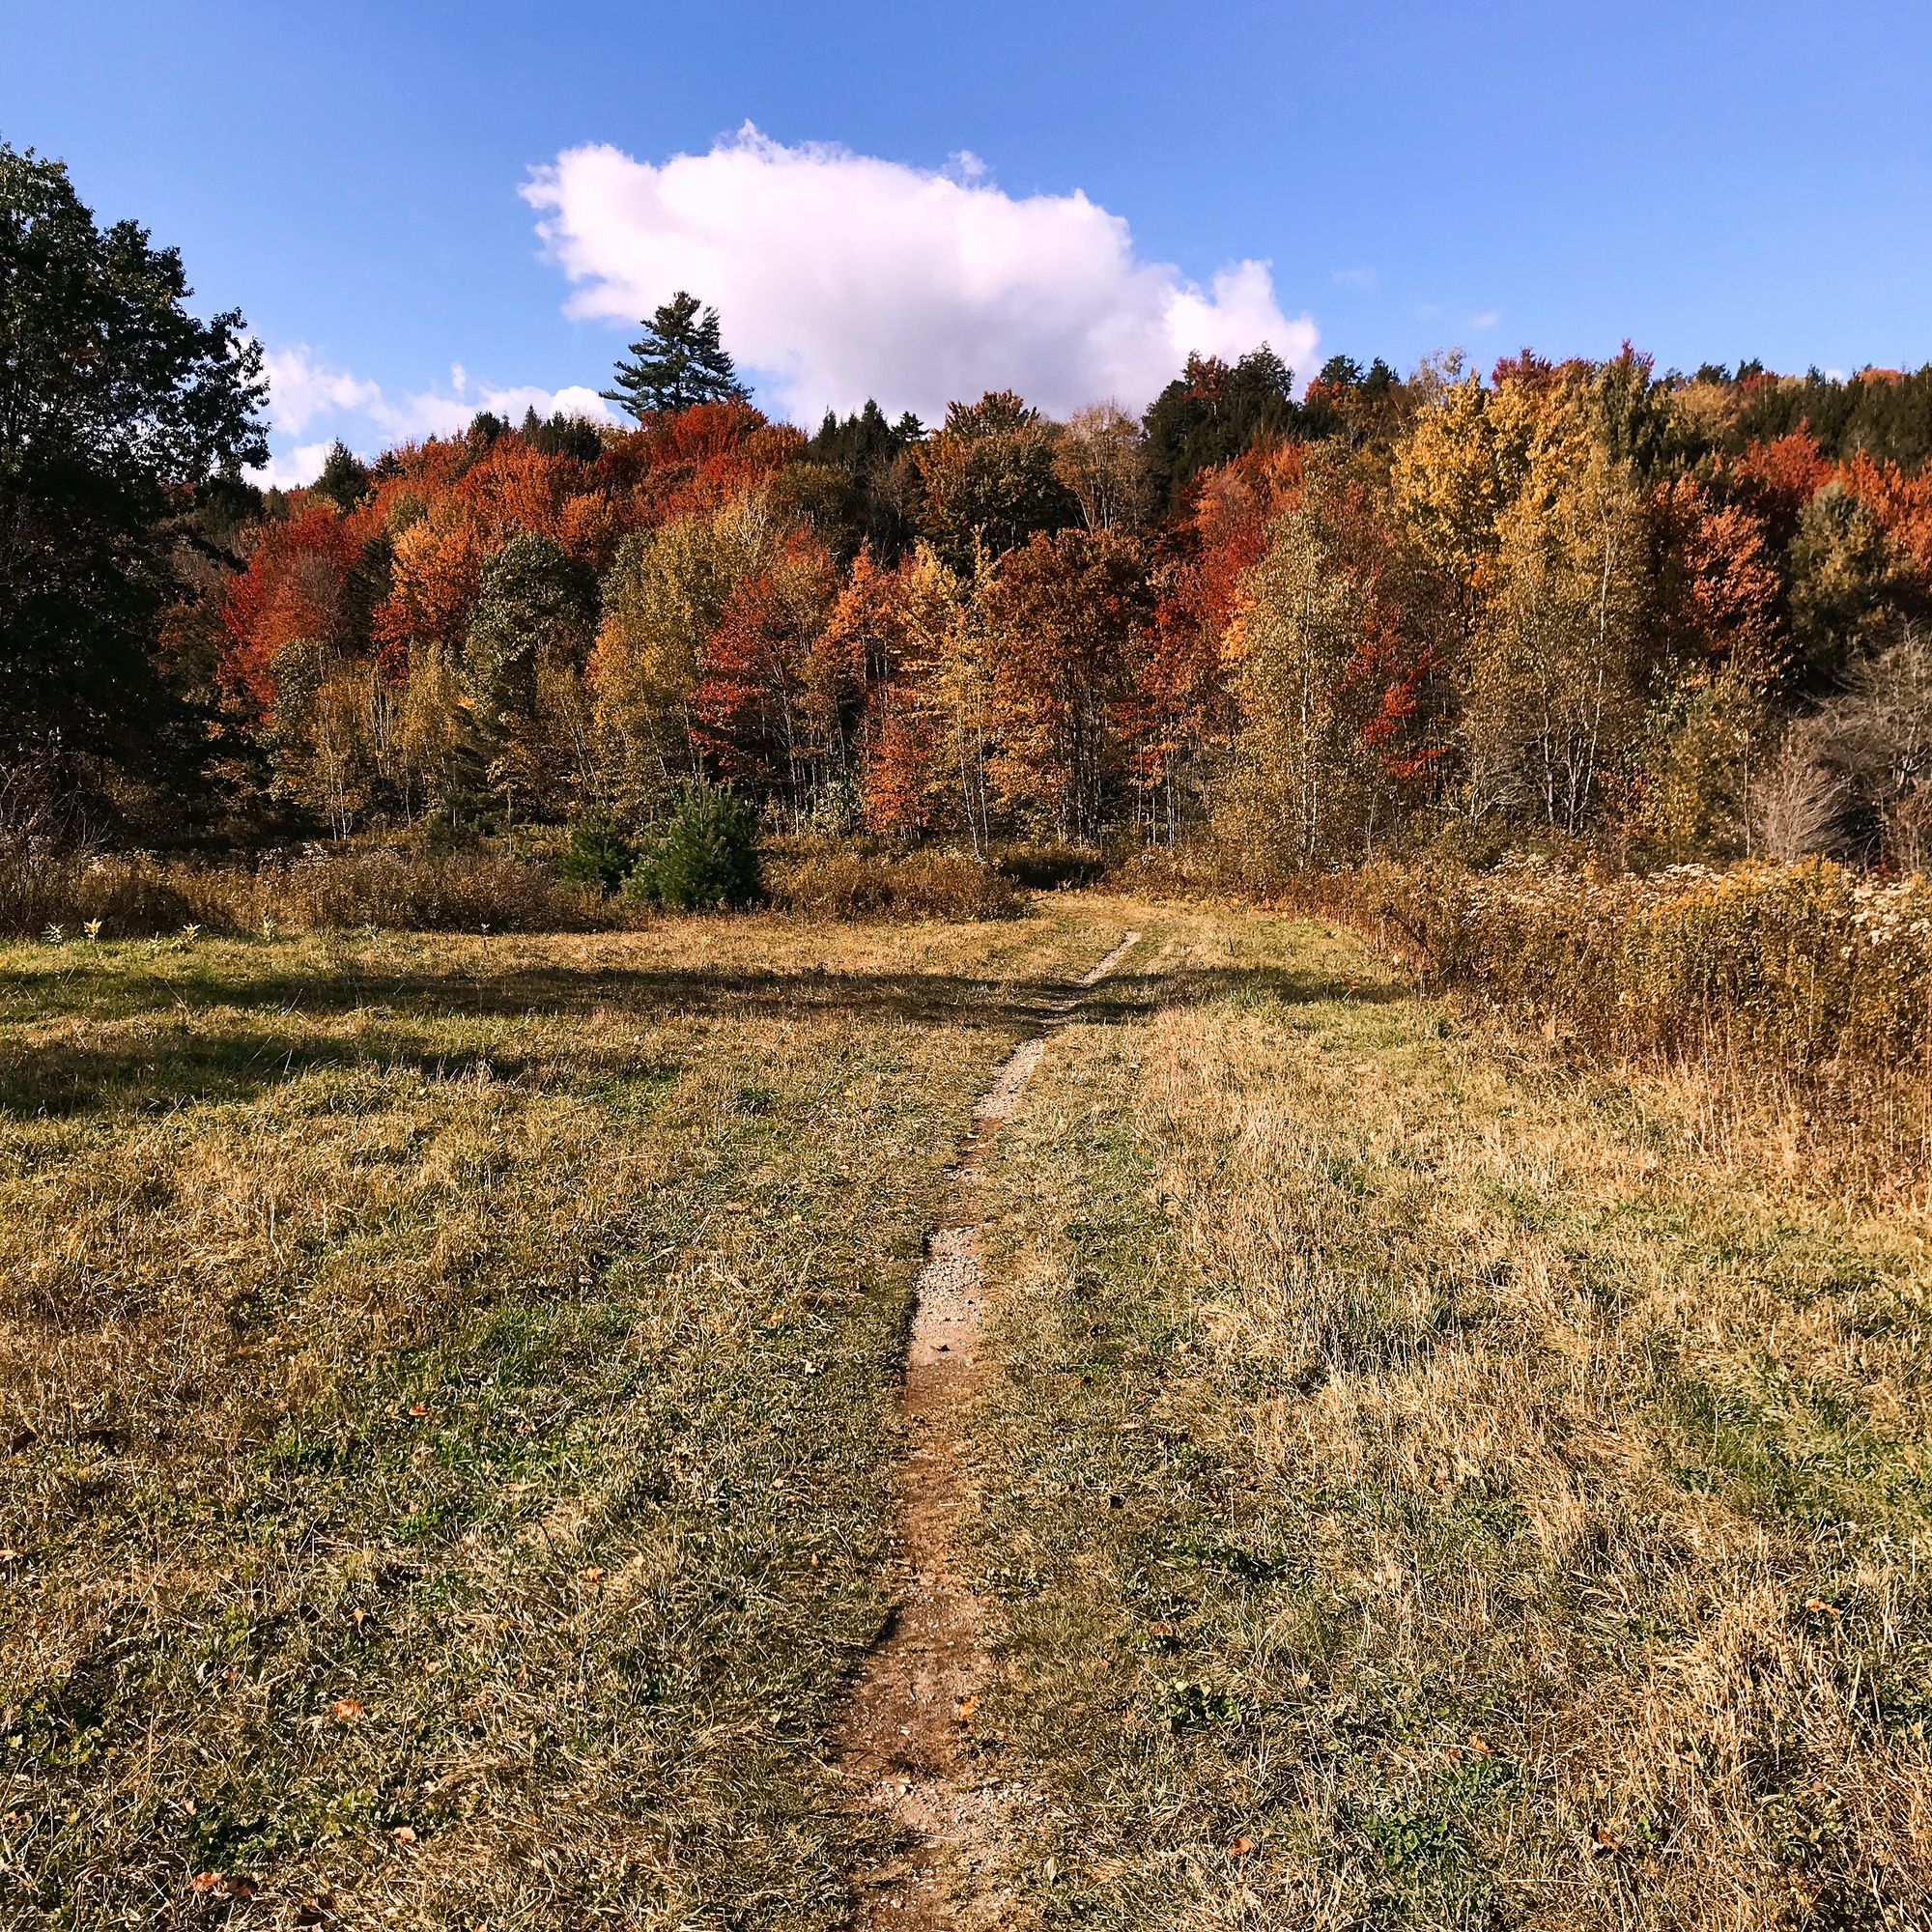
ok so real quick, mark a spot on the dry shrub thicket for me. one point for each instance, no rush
(59, 892)
(828, 880)
(1804, 989)
(136, 895)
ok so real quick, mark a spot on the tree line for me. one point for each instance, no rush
(1576, 603)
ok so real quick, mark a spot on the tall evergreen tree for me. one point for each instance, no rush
(680, 360)
(344, 479)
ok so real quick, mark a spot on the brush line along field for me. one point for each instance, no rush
(452, 1450)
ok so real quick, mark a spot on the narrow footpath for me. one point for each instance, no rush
(912, 1708)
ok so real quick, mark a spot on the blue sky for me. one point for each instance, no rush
(1018, 192)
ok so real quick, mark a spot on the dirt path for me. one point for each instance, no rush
(913, 1706)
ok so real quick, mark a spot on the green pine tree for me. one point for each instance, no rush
(680, 361)
(344, 479)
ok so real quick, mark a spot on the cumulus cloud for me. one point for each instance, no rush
(290, 468)
(304, 391)
(301, 389)
(840, 276)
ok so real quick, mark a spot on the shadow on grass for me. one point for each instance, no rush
(265, 1034)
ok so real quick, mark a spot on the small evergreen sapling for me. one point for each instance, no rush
(704, 855)
(598, 855)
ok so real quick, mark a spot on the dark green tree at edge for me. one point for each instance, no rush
(105, 458)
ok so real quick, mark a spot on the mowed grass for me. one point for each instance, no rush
(447, 1411)
(1420, 1490)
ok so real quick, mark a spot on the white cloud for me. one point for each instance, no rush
(841, 276)
(300, 390)
(430, 414)
(1487, 320)
(1363, 279)
(303, 391)
(289, 470)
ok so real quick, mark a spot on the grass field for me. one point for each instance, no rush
(449, 1445)
(1423, 1492)
(448, 1391)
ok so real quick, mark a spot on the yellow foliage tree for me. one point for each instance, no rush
(663, 600)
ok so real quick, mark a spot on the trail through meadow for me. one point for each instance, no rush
(915, 1696)
(1415, 1484)
(779, 1425)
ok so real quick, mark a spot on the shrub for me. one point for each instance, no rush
(704, 855)
(405, 892)
(838, 881)
(1803, 987)
(1791, 968)
(42, 890)
(598, 855)
(1044, 869)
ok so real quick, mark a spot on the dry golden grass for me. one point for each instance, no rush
(446, 1427)
(1421, 1489)
(447, 1444)
(64, 894)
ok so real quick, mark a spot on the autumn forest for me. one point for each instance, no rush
(1573, 601)
(1576, 604)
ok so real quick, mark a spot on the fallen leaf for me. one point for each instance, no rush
(346, 1710)
(404, 1834)
(239, 1887)
(594, 1573)
(1479, 1744)
(417, 1408)
(964, 1707)
(1817, 1605)
(1603, 1842)
(204, 1881)
(1241, 1846)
